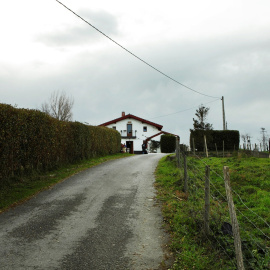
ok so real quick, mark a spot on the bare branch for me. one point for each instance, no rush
(59, 106)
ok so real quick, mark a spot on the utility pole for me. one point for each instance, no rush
(223, 113)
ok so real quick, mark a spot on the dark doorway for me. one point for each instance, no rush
(130, 147)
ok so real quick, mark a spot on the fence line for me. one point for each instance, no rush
(253, 244)
(251, 210)
(250, 149)
(236, 194)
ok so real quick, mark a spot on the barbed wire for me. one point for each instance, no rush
(254, 241)
(252, 223)
(197, 172)
(224, 249)
(234, 192)
(250, 209)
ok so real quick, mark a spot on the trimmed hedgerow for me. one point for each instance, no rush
(31, 141)
(167, 143)
(215, 138)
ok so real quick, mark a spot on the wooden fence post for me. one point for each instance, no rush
(216, 149)
(235, 226)
(205, 145)
(185, 174)
(207, 200)
(177, 152)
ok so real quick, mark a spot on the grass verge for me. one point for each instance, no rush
(183, 215)
(17, 190)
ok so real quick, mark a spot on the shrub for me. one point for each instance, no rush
(167, 143)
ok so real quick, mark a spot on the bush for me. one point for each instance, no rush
(31, 140)
(167, 143)
(154, 145)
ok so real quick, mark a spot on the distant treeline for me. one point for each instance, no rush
(31, 140)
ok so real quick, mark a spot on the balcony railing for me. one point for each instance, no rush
(128, 134)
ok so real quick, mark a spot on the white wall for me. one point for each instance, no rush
(140, 134)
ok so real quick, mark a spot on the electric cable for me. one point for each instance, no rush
(183, 110)
(133, 53)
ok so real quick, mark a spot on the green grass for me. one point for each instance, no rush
(183, 212)
(16, 190)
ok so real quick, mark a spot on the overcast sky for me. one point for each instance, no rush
(218, 48)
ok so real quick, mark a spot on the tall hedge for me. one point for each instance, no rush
(167, 143)
(31, 140)
(231, 139)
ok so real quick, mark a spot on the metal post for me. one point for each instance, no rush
(177, 152)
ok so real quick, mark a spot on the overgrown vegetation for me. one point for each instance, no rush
(19, 189)
(183, 212)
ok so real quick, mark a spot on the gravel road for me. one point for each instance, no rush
(103, 218)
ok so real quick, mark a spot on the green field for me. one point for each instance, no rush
(183, 212)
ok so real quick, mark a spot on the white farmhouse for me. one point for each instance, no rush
(136, 131)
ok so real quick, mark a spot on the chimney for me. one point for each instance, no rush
(123, 114)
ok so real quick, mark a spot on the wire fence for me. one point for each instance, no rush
(254, 229)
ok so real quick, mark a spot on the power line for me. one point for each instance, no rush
(132, 53)
(184, 110)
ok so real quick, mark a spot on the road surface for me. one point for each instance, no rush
(103, 218)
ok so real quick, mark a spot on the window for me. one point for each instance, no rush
(114, 127)
(144, 129)
(129, 130)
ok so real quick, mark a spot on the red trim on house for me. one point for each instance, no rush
(128, 116)
(162, 132)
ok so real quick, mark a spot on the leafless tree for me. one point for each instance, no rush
(246, 141)
(59, 106)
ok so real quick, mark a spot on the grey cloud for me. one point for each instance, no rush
(112, 81)
(82, 33)
(104, 21)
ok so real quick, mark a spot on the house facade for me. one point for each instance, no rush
(135, 131)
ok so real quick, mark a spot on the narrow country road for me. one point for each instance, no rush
(102, 218)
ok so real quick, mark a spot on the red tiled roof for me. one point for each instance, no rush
(128, 116)
(161, 132)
